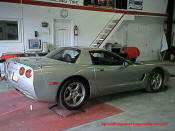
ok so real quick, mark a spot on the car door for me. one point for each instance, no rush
(111, 74)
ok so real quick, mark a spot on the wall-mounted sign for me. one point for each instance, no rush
(45, 24)
(70, 2)
(135, 4)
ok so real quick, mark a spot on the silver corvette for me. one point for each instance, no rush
(71, 75)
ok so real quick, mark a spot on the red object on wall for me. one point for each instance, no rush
(75, 30)
(133, 52)
(11, 55)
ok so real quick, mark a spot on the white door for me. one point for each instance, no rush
(63, 35)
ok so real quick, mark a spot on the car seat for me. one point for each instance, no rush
(67, 58)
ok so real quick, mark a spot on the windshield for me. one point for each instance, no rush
(54, 52)
(69, 55)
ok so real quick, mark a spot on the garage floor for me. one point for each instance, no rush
(139, 107)
(136, 107)
(18, 112)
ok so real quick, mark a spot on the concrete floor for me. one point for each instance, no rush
(138, 107)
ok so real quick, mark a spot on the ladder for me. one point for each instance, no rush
(107, 31)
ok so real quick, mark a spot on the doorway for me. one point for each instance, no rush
(63, 33)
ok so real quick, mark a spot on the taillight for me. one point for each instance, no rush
(28, 73)
(22, 71)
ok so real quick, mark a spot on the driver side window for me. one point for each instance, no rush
(104, 58)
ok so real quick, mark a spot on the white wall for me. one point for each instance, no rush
(11, 11)
(120, 36)
(144, 32)
(89, 23)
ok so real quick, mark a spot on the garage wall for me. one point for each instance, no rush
(144, 32)
(173, 30)
(11, 11)
(89, 23)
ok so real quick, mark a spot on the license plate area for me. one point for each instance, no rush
(15, 77)
(12, 76)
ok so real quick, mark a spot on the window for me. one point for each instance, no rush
(9, 30)
(66, 55)
(104, 58)
(119, 4)
(103, 3)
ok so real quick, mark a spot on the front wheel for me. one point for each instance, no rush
(73, 94)
(155, 82)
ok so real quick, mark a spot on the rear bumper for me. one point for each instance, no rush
(27, 91)
(20, 82)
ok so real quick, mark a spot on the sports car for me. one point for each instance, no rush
(71, 75)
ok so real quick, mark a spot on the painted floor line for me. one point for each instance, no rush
(15, 109)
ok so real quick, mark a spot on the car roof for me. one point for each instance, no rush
(85, 48)
(84, 57)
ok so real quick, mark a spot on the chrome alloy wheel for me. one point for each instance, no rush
(74, 94)
(156, 81)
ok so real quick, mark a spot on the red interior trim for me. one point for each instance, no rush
(32, 2)
(7, 56)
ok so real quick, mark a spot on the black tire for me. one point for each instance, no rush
(68, 92)
(155, 85)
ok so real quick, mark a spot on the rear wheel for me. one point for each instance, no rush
(73, 94)
(156, 80)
